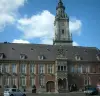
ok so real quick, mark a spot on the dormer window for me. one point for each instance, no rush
(1, 55)
(85, 51)
(32, 49)
(77, 57)
(41, 57)
(48, 49)
(98, 56)
(22, 56)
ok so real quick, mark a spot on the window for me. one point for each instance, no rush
(32, 49)
(48, 49)
(72, 69)
(77, 57)
(64, 68)
(62, 31)
(31, 68)
(75, 68)
(41, 68)
(1, 69)
(61, 68)
(94, 70)
(99, 70)
(6, 68)
(50, 68)
(23, 81)
(58, 68)
(42, 82)
(14, 80)
(79, 69)
(22, 56)
(98, 56)
(88, 69)
(7, 81)
(1, 55)
(32, 81)
(86, 80)
(13, 49)
(14, 69)
(41, 57)
(23, 68)
(84, 69)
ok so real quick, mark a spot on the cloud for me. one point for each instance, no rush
(46, 40)
(38, 26)
(75, 44)
(8, 11)
(20, 41)
(42, 26)
(75, 26)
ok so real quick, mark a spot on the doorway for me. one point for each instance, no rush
(50, 86)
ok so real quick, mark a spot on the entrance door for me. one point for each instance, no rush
(50, 86)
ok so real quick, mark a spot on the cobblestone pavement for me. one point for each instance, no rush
(59, 94)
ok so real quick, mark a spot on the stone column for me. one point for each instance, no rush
(66, 84)
(56, 85)
(56, 79)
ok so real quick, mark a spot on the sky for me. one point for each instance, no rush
(32, 21)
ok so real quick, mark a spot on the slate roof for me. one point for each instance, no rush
(12, 51)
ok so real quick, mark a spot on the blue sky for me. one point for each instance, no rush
(31, 21)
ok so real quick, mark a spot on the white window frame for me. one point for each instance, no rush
(41, 68)
(6, 68)
(81, 68)
(77, 57)
(88, 69)
(32, 68)
(23, 67)
(32, 81)
(42, 81)
(41, 57)
(15, 68)
(22, 56)
(50, 68)
(23, 81)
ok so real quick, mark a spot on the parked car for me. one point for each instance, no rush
(13, 92)
(91, 91)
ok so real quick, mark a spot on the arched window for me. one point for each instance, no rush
(62, 31)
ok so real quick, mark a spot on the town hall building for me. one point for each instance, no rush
(50, 67)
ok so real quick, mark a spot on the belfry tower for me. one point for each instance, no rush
(61, 23)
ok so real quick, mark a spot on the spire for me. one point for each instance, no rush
(60, 5)
(60, 10)
(60, 0)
